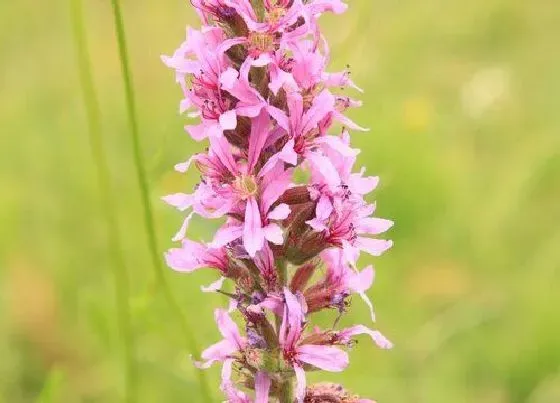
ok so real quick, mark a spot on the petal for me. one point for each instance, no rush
(293, 318)
(228, 43)
(274, 234)
(180, 201)
(300, 383)
(228, 78)
(216, 352)
(322, 105)
(288, 154)
(184, 166)
(323, 166)
(262, 387)
(222, 149)
(198, 132)
(336, 144)
(253, 236)
(280, 117)
(373, 225)
(374, 247)
(324, 208)
(180, 235)
(228, 120)
(377, 337)
(215, 286)
(183, 260)
(366, 299)
(228, 328)
(347, 122)
(280, 212)
(328, 358)
(317, 225)
(275, 188)
(226, 235)
(361, 281)
(362, 185)
(257, 139)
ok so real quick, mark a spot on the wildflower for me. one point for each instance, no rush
(255, 75)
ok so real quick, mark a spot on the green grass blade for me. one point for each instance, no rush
(144, 193)
(103, 175)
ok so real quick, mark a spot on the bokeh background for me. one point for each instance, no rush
(463, 98)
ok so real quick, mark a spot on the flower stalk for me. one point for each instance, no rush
(255, 78)
(144, 192)
(97, 146)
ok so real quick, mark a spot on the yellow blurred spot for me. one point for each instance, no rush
(439, 280)
(417, 113)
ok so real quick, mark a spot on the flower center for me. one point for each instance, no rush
(261, 42)
(276, 14)
(246, 185)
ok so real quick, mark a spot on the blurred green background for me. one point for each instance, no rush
(463, 99)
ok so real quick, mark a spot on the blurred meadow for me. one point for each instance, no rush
(463, 99)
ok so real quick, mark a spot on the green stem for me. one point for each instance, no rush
(287, 392)
(144, 195)
(120, 274)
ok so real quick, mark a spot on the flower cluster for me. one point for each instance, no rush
(295, 217)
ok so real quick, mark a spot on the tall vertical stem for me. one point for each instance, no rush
(287, 392)
(108, 207)
(144, 195)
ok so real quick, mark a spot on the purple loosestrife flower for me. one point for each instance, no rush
(255, 79)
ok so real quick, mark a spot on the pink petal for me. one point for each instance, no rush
(287, 155)
(377, 337)
(228, 78)
(184, 166)
(322, 105)
(280, 117)
(226, 235)
(198, 132)
(226, 373)
(337, 144)
(328, 358)
(374, 247)
(373, 225)
(317, 225)
(361, 281)
(262, 387)
(183, 260)
(183, 230)
(257, 139)
(180, 201)
(221, 147)
(280, 212)
(300, 383)
(275, 188)
(215, 286)
(228, 43)
(228, 328)
(324, 208)
(216, 352)
(362, 185)
(228, 120)
(274, 234)
(347, 122)
(253, 236)
(323, 166)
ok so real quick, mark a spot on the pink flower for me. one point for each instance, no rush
(225, 349)
(285, 187)
(328, 358)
